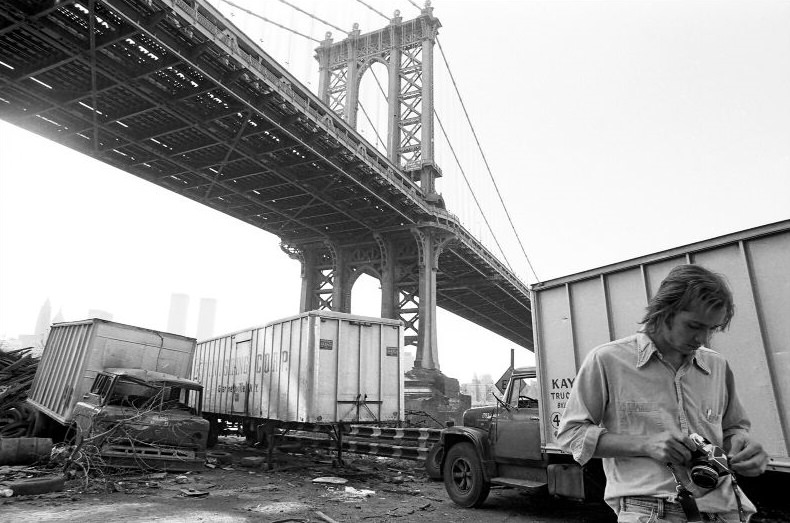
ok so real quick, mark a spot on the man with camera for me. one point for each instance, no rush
(662, 411)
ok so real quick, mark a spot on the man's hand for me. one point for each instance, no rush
(747, 457)
(669, 447)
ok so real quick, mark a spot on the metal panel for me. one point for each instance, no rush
(556, 364)
(627, 301)
(319, 366)
(58, 373)
(76, 351)
(589, 310)
(770, 266)
(756, 264)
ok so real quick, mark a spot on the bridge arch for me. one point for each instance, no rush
(366, 293)
(373, 108)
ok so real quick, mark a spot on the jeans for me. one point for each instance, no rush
(656, 510)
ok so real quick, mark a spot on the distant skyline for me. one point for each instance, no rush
(178, 318)
(614, 130)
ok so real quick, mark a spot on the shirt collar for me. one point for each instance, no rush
(645, 348)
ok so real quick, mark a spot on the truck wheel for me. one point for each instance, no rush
(433, 462)
(463, 476)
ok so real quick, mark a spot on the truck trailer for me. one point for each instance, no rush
(513, 443)
(318, 367)
(124, 391)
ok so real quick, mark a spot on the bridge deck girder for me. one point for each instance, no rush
(215, 120)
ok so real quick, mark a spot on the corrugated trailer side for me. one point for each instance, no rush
(76, 351)
(319, 366)
(574, 314)
(58, 377)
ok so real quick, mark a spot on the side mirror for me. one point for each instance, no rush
(502, 403)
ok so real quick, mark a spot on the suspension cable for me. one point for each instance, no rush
(333, 26)
(374, 10)
(256, 15)
(375, 131)
(463, 173)
(485, 160)
(381, 89)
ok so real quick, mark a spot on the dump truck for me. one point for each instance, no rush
(316, 368)
(124, 391)
(514, 442)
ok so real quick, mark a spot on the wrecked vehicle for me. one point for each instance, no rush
(122, 392)
(136, 417)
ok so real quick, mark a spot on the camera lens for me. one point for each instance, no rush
(704, 476)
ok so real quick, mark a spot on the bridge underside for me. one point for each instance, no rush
(170, 92)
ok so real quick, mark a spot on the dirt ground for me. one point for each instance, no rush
(365, 488)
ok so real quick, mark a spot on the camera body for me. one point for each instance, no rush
(708, 463)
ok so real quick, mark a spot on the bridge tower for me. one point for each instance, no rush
(404, 261)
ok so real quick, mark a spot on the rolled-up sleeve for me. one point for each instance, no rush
(580, 426)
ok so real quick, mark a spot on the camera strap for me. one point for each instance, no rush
(737, 491)
(685, 498)
(689, 504)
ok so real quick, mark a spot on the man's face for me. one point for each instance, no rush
(688, 329)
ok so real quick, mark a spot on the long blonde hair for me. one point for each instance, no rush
(684, 287)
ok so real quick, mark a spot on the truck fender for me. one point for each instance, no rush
(478, 438)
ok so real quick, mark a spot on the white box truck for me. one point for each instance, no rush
(319, 367)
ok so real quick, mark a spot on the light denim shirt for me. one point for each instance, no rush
(626, 387)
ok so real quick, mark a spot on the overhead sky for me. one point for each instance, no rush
(613, 128)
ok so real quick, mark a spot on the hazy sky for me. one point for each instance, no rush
(614, 129)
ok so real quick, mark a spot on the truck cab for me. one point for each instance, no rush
(137, 417)
(500, 444)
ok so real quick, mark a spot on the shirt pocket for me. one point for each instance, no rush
(640, 417)
(709, 418)
(710, 412)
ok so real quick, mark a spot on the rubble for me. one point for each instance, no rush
(17, 369)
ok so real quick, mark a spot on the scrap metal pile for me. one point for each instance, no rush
(17, 369)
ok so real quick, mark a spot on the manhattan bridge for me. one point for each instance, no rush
(177, 93)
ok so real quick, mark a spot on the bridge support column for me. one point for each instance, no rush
(389, 292)
(307, 298)
(341, 291)
(429, 246)
(318, 276)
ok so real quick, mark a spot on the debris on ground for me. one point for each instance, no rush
(324, 517)
(193, 493)
(17, 369)
(359, 493)
(333, 480)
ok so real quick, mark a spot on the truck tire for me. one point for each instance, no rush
(223, 458)
(463, 476)
(433, 462)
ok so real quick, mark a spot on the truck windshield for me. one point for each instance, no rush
(524, 393)
(129, 392)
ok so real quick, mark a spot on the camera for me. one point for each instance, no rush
(708, 463)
